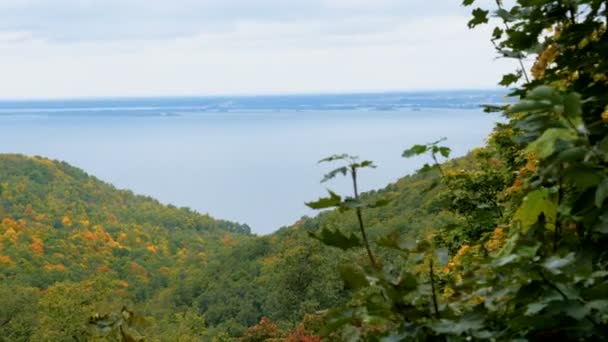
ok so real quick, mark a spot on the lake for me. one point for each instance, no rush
(247, 159)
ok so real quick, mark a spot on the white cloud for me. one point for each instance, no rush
(153, 47)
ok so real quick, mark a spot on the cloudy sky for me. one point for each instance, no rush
(76, 48)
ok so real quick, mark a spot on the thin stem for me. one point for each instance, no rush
(560, 194)
(519, 58)
(438, 166)
(435, 306)
(554, 287)
(360, 219)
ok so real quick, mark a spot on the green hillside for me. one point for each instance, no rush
(62, 226)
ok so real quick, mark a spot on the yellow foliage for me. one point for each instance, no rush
(66, 221)
(545, 59)
(55, 267)
(122, 237)
(497, 240)
(10, 235)
(85, 222)
(122, 283)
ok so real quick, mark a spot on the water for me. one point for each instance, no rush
(246, 159)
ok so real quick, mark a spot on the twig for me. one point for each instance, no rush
(360, 219)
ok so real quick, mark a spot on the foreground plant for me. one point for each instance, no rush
(542, 274)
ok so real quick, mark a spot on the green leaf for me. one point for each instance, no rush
(337, 239)
(366, 163)
(335, 157)
(445, 151)
(534, 308)
(544, 146)
(543, 92)
(414, 151)
(343, 170)
(467, 2)
(353, 276)
(480, 16)
(601, 193)
(497, 34)
(379, 203)
(509, 79)
(573, 105)
(332, 201)
(534, 204)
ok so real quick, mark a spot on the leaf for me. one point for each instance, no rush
(353, 276)
(467, 2)
(534, 204)
(414, 151)
(509, 79)
(543, 92)
(445, 151)
(573, 105)
(366, 163)
(534, 308)
(497, 34)
(555, 263)
(480, 16)
(337, 239)
(505, 260)
(335, 157)
(343, 170)
(379, 203)
(544, 146)
(332, 201)
(601, 193)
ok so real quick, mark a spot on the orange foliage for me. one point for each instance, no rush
(137, 269)
(104, 269)
(37, 246)
(29, 211)
(113, 219)
(227, 240)
(266, 330)
(9, 223)
(6, 260)
(152, 248)
(497, 240)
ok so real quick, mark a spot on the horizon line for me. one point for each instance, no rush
(243, 95)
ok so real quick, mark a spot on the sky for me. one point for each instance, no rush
(99, 48)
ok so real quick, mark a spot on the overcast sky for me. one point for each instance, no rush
(76, 48)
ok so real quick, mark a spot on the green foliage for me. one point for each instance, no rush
(541, 273)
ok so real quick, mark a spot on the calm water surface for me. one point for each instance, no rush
(252, 166)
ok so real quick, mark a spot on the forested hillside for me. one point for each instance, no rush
(66, 234)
